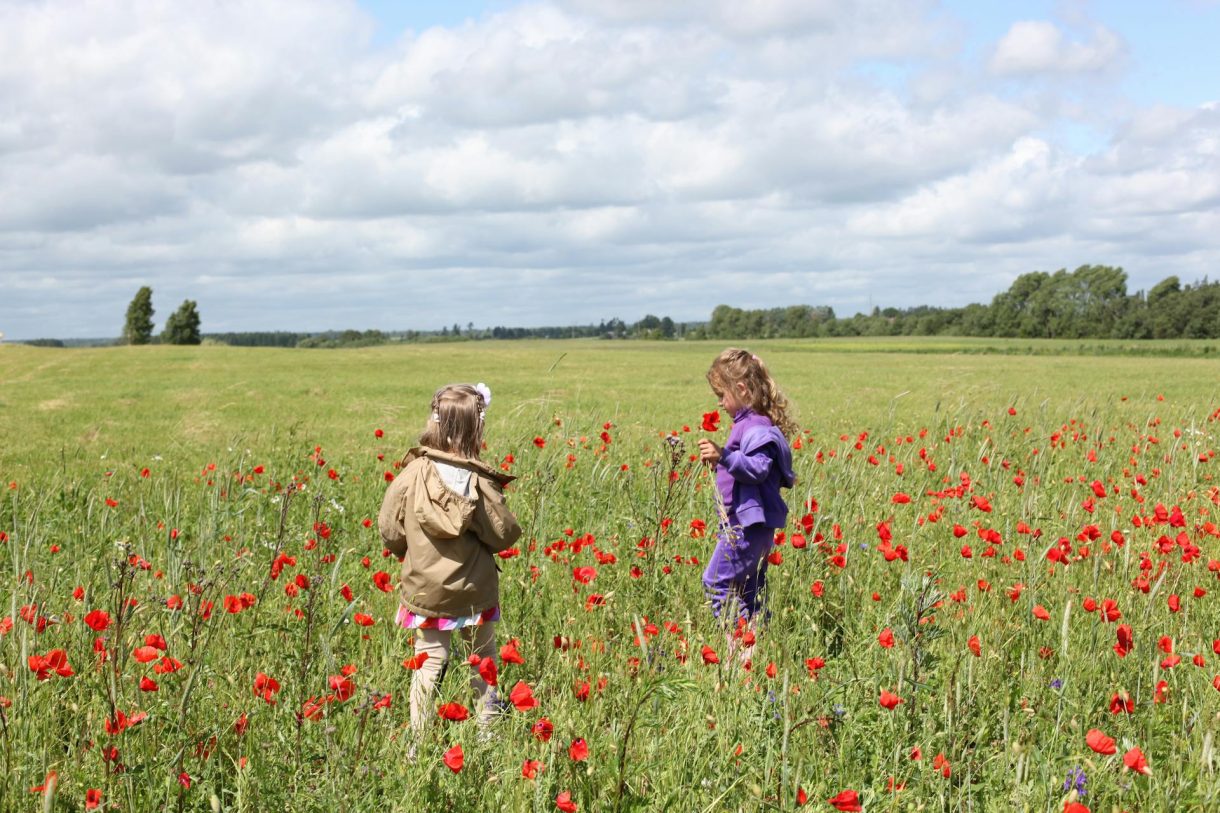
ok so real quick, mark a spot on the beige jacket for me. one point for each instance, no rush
(446, 541)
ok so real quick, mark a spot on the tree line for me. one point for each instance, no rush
(1091, 302)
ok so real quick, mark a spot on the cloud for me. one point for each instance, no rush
(565, 161)
(1040, 47)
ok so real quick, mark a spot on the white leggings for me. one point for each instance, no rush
(438, 643)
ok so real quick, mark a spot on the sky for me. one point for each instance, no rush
(310, 165)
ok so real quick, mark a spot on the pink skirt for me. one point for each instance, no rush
(412, 621)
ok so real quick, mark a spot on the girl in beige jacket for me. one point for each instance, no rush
(444, 517)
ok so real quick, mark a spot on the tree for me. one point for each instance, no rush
(139, 325)
(182, 327)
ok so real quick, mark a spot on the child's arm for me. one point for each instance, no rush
(758, 456)
(389, 521)
(492, 522)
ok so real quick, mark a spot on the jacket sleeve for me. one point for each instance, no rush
(492, 522)
(748, 468)
(390, 521)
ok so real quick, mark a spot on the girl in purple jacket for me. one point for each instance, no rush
(751, 468)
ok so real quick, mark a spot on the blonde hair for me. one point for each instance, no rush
(735, 365)
(456, 422)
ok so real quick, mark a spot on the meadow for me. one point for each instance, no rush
(997, 590)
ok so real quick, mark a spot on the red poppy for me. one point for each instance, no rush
(564, 802)
(509, 652)
(542, 730)
(1134, 760)
(886, 638)
(539, 442)
(97, 620)
(889, 700)
(145, 654)
(1100, 743)
(709, 655)
(147, 684)
(487, 671)
(522, 697)
(578, 750)
(847, 800)
(454, 758)
(1041, 613)
(711, 421)
(1124, 644)
(530, 768)
(974, 645)
(415, 661)
(383, 581)
(93, 798)
(454, 712)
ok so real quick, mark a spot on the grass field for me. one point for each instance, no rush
(979, 506)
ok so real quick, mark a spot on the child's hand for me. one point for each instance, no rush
(709, 452)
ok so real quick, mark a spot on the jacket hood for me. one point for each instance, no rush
(457, 460)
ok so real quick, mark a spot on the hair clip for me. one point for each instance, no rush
(484, 392)
(436, 417)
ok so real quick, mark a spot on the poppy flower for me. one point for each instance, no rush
(530, 768)
(147, 684)
(1121, 703)
(846, 800)
(1100, 743)
(1074, 807)
(510, 654)
(711, 421)
(93, 798)
(542, 730)
(564, 802)
(1124, 644)
(383, 581)
(1134, 760)
(487, 671)
(1041, 613)
(709, 655)
(454, 758)
(974, 646)
(522, 697)
(578, 750)
(889, 700)
(886, 638)
(454, 712)
(145, 654)
(415, 661)
(97, 620)
(540, 442)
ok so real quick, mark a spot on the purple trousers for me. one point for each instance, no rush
(736, 574)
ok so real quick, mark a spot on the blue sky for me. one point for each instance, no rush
(329, 164)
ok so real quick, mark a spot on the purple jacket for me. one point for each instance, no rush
(755, 465)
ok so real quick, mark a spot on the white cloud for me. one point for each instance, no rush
(564, 161)
(1040, 47)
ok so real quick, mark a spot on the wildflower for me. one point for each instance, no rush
(1100, 743)
(578, 750)
(889, 700)
(522, 697)
(454, 758)
(1075, 781)
(846, 800)
(530, 768)
(564, 802)
(711, 421)
(1134, 760)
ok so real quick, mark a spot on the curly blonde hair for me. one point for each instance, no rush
(456, 422)
(765, 397)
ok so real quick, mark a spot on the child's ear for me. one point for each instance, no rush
(742, 392)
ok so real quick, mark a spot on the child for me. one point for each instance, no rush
(751, 468)
(444, 517)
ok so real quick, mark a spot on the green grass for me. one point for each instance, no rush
(78, 428)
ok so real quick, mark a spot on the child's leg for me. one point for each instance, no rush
(423, 685)
(757, 541)
(482, 640)
(722, 578)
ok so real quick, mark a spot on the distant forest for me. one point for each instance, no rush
(1091, 302)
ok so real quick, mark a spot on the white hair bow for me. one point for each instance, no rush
(484, 392)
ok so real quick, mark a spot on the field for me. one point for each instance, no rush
(1022, 549)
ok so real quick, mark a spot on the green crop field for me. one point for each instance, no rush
(1018, 543)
